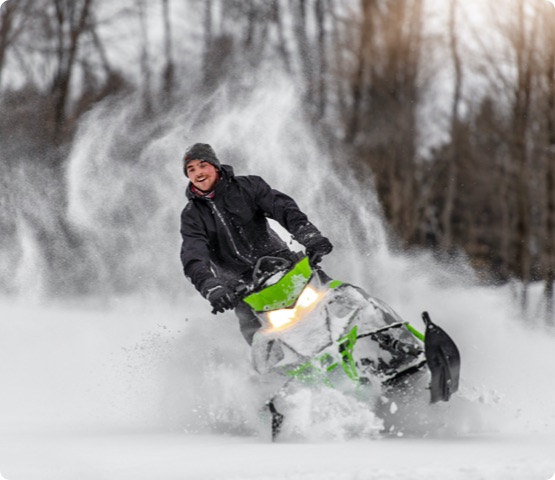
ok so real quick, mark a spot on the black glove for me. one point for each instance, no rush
(221, 298)
(316, 247)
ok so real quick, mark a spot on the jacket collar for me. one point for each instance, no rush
(226, 172)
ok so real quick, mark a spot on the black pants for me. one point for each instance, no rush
(248, 322)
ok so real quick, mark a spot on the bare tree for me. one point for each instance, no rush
(70, 21)
(549, 108)
(276, 16)
(319, 11)
(6, 21)
(382, 97)
(523, 42)
(169, 69)
(304, 48)
(14, 16)
(455, 131)
(145, 62)
(364, 51)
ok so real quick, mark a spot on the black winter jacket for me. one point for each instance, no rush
(224, 236)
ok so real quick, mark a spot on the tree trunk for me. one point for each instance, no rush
(282, 44)
(72, 22)
(146, 73)
(521, 115)
(357, 82)
(322, 64)
(549, 236)
(304, 49)
(169, 69)
(447, 240)
(6, 12)
(550, 233)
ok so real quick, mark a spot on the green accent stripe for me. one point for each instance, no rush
(335, 284)
(346, 347)
(314, 371)
(415, 332)
(285, 292)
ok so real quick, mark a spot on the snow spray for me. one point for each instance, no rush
(138, 347)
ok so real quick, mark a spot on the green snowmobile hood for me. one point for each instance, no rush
(285, 292)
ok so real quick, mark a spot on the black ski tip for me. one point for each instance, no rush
(277, 420)
(444, 361)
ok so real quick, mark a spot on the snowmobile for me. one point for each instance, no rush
(319, 330)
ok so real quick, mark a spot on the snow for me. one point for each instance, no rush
(155, 387)
(147, 455)
(125, 393)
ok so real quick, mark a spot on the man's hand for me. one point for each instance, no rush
(316, 247)
(221, 298)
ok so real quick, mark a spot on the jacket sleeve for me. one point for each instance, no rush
(195, 254)
(282, 208)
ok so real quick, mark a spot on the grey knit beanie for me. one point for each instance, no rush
(200, 151)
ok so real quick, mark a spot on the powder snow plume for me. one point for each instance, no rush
(135, 346)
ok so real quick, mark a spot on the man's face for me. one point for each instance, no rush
(204, 175)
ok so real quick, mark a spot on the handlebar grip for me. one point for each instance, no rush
(241, 290)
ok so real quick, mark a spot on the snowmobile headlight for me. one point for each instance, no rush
(279, 318)
(307, 298)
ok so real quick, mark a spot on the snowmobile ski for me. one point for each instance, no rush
(444, 361)
(277, 420)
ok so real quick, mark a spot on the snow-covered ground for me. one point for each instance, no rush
(132, 391)
(155, 455)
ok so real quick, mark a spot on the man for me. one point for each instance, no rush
(225, 230)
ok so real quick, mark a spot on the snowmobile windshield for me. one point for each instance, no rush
(285, 292)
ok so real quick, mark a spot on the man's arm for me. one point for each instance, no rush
(284, 209)
(195, 254)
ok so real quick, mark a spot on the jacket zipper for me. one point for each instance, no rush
(227, 231)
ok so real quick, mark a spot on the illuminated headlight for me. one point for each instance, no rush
(279, 318)
(307, 298)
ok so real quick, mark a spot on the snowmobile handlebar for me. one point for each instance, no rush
(265, 268)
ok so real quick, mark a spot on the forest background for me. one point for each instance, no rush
(446, 107)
